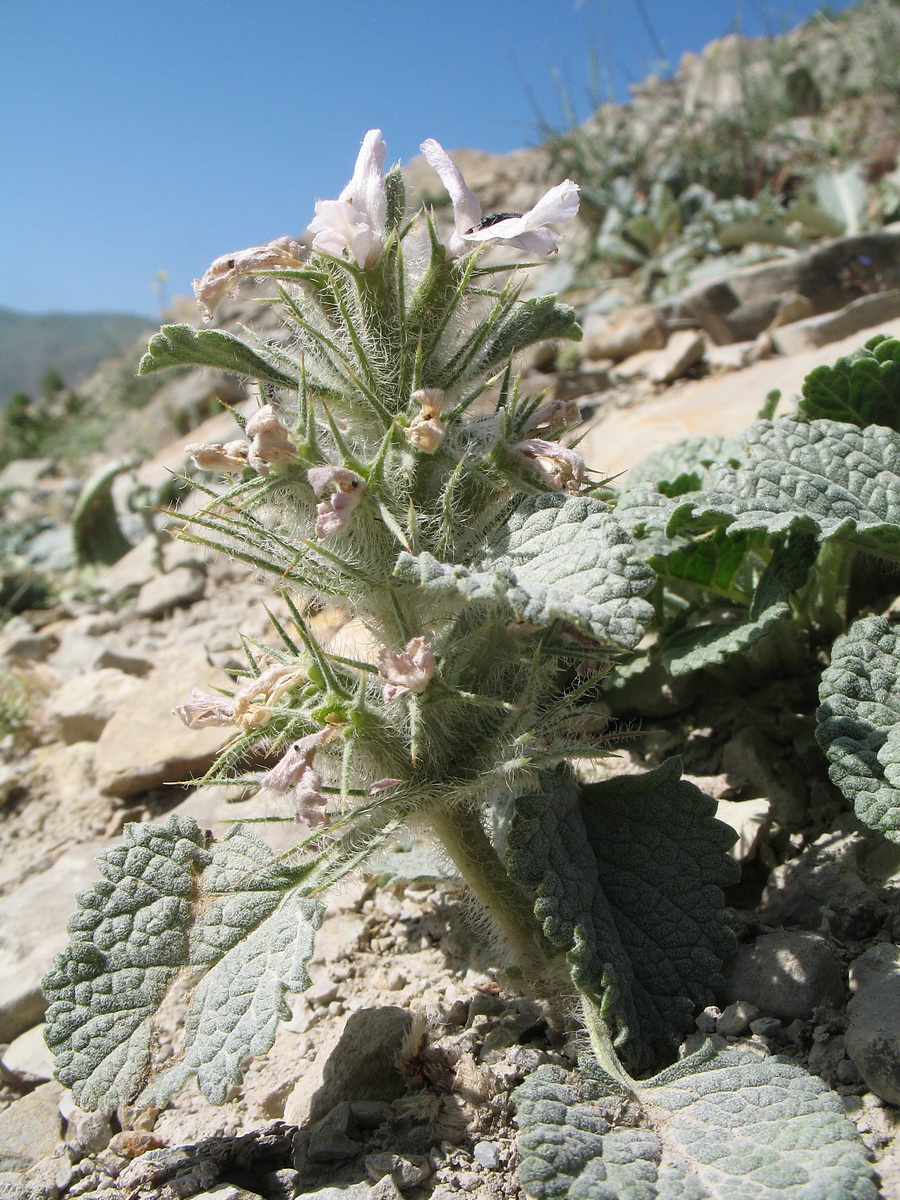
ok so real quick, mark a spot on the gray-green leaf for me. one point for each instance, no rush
(180, 345)
(558, 558)
(727, 1125)
(627, 876)
(859, 722)
(831, 479)
(166, 903)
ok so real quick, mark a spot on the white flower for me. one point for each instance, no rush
(333, 514)
(410, 670)
(213, 456)
(355, 221)
(521, 231)
(562, 468)
(201, 710)
(426, 431)
(256, 697)
(295, 770)
(222, 278)
(271, 442)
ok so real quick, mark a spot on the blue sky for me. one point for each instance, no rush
(139, 136)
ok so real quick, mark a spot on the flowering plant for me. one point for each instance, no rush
(395, 469)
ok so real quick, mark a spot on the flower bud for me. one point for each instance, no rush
(201, 710)
(562, 468)
(426, 431)
(213, 456)
(333, 514)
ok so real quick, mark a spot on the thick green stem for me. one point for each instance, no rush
(463, 837)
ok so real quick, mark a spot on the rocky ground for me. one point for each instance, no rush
(394, 1075)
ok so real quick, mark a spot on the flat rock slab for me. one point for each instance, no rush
(725, 404)
(143, 745)
(30, 1128)
(33, 929)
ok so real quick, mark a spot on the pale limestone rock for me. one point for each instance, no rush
(683, 350)
(623, 334)
(82, 707)
(30, 1128)
(863, 314)
(750, 819)
(357, 1062)
(635, 366)
(732, 357)
(27, 1056)
(621, 437)
(33, 929)
(144, 745)
(793, 307)
(179, 588)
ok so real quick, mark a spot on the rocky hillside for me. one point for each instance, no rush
(393, 1077)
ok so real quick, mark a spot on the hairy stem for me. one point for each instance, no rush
(465, 841)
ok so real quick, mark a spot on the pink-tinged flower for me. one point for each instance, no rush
(562, 468)
(426, 431)
(559, 414)
(223, 277)
(295, 770)
(271, 443)
(410, 670)
(522, 231)
(380, 784)
(333, 514)
(255, 698)
(213, 456)
(355, 221)
(201, 709)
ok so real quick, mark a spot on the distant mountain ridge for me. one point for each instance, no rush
(71, 343)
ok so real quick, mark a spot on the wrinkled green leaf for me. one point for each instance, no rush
(831, 479)
(710, 644)
(682, 459)
(180, 345)
(627, 876)
(863, 388)
(716, 1126)
(166, 903)
(859, 722)
(557, 558)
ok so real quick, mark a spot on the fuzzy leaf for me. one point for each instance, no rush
(717, 1126)
(167, 903)
(531, 321)
(859, 722)
(180, 345)
(711, 644)
(627, 876)
(863, 388)
(831, 479)
(558, 558)
(689, 456)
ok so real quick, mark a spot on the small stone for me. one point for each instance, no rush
(785, 975)
(88, 1132)
(27, 1057)
(226, 1191)
(132, 1143)
(178, 588)
(847, 1074)
(683, 350)
(406, 1171)
(30, 1128)
(736, 1018)
(357, 1062)
(82, 707)
(385, 1189)
(706, 1021)
(396, 981)
(487, 1155)
(873, 1033)
(766, 1027)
